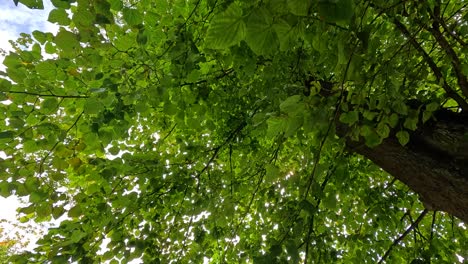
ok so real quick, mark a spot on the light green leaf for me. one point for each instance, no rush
(47, 70)
(226, 29)
(132, 16)
(77, 235)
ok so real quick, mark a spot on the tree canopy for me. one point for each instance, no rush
(177, 131)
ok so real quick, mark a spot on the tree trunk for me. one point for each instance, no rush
(433, 164)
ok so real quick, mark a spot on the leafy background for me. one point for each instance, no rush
(179, 131)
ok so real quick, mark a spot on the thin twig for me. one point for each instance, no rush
(399, 239)
(437, 72)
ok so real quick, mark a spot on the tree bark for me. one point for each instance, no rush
(433, 164)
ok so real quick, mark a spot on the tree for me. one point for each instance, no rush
(242, 131)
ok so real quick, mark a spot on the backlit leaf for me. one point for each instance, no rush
(227, 28)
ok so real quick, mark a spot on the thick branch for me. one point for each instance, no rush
(49, 95)
(434, 163)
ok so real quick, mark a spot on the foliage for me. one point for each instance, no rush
(15, 237)
(184, 130)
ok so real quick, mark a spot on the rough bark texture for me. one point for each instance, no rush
(434, 163)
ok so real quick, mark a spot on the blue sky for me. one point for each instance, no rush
(17, 19)
(13, 21)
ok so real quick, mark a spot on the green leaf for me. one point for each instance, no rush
(226, 29)
(47, 70)
(383, 130)
(93, 106)
(339, 11)
(288, 35)
(50, 48)
(293, 123)
(373, 139)
(67, 41)
(61, 3)
(33, 4)
(39, 36)
(77, 235)
(393, 120)
(299, 7)
(50, 104)
(5, 85)
(411, 123)
(75, 211)
(400, 107)
(276, 126)
(57, 212)
(350, 117)
(403, 137)
(35, 197)
(261, 36)
(132, 16)
(272, 173)
(308, 207)
(83, 18)
(292, 105)
(59, 16)
(329, 202)
(5, 189)
(12, 60)
(7, 134)
(432, 106)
